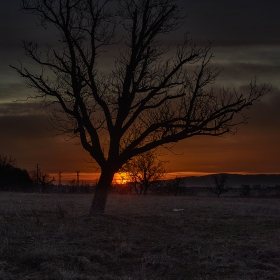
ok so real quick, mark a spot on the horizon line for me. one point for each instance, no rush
(88, 177)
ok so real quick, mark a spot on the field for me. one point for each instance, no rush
(51, 236)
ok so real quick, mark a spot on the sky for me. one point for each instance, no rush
(246, 44)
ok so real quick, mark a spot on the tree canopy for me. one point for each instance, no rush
(154, 94)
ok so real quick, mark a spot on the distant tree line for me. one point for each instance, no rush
(13, 178)
(146, 173)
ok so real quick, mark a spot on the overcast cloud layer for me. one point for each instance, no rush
(246, 43)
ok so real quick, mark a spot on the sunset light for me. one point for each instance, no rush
(118, 86)
(87, 178)
(121, 178)
(254, 149)
(139, 139)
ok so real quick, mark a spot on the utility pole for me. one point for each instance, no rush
(78, 178)
(59, 178)
(37, 174)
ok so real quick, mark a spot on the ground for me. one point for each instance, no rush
(51, 236)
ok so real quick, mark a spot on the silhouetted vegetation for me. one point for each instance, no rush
(245, 190)
(176, 186)
(219, 184)
(13, 178)
(151, 96)
(145, 170)
(41, 179)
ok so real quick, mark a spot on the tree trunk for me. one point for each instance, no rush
(145, 187)
(101, 192)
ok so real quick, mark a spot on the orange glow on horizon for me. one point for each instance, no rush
(122, 178)
(87, 178)
(84, 178)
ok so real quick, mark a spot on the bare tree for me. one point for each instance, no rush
(145, 170)
(7, 161)
(175, 185)
(245, 190)
(219, 186)
(153, 95)
(41, 179)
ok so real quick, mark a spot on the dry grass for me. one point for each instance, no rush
(52, 237)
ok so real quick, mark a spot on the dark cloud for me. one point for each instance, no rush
(233, 22)
(246, 44)
(265, 114)
(236, 74)
(11, 91)
(17, 26)
(29, 139)
(225, 22)
(21, 109)
(254, 148)
(25, 127)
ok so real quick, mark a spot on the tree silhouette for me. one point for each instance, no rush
(153, 95)
(145, 170)
(219, 184)
(41, 180)
(175, 185)
(7, 161)
(13, 178)
(245, 190)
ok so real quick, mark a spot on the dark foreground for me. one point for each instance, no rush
(52, 237)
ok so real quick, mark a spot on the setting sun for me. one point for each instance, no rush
(121, 178)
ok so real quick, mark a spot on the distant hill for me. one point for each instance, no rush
(235, 180)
